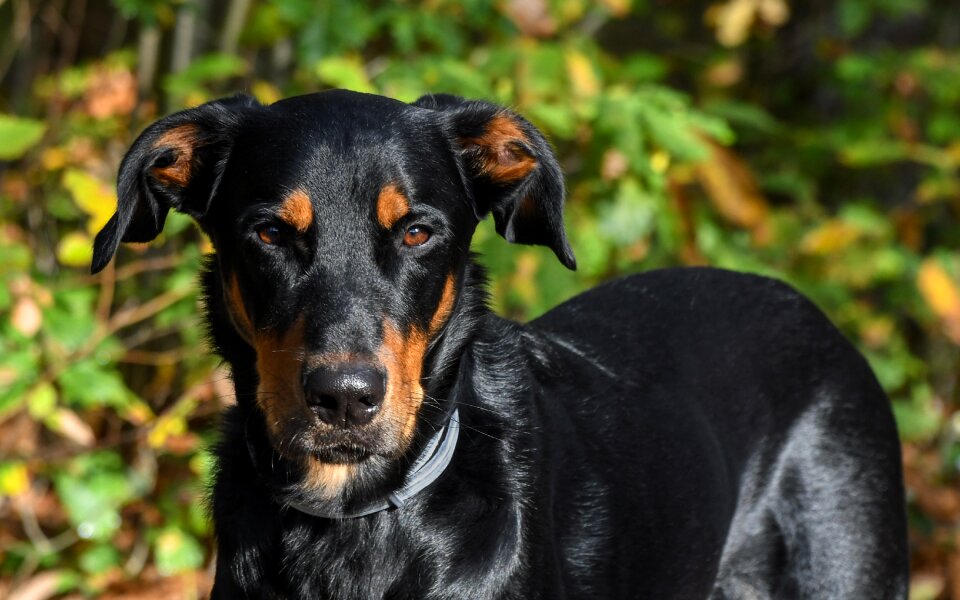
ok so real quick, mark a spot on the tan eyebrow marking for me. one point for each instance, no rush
(392, 206)
(297, 210)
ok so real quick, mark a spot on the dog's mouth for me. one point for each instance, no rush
(337, 446)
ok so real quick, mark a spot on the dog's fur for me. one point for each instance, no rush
(687, 433)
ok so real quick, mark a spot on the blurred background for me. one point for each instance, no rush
(815, 141)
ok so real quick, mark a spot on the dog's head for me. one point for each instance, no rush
(342, 225)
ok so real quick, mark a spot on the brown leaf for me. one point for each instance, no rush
(111, 92)
(732, 188)
(532, 17)
(26, 317)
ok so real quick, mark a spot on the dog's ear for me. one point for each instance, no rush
(175, 163)
(511, 171)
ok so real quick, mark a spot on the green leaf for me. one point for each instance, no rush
(17, 135)
(347, 73)
(86, 384)
(100, 558)
(177, 551)
(93, 488)
(207, 69)
(41, 400)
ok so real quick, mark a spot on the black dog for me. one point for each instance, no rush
(687, 433)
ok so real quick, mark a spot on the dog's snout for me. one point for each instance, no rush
(346, 395)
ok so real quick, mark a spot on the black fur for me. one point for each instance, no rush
(688, 433)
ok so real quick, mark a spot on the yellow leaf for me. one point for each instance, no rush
(660, 161)
(829, 238)
(75, 249)
(264, 92)
(14, 479)
(41, 400)
(94, 197)
(733, 21)
(583, 78)
(54, 158)
(165, 427)
(940, 293)
(619, 8)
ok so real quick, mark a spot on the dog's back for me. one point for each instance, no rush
(715, 427)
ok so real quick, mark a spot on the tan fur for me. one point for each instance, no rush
(297, 210)
(279, 358)
(445, 307)
(238, 311)
(392, 206)
(327, 478)
(403, 357)
(500, 161)
(183, 140)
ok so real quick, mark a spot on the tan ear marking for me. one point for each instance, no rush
(297, 210)
(182, 140)
(392, 206)
(502, 158)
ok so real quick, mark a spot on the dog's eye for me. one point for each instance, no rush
(416, 236)
(270, 235)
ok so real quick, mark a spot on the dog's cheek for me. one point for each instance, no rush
(279, 359)
(402, 355)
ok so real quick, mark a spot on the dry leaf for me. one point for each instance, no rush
(829, 238)
(68, 424)
(111, 92)
(732, 188)
(26, 317)
(532, 17)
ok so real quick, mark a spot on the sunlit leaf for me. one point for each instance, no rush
(94, 197)
(17, 135)
(583, 77)
(940, 292)
(14, 478)
(75, 249)
(177, 551)
(732, 188)
(41, 400)
(830, 238)
(344, 72)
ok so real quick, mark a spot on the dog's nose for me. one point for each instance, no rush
(345, 395)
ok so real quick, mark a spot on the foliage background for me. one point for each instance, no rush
(818, 142)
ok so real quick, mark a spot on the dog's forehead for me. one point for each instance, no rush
(333, 145)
